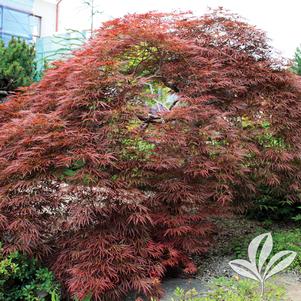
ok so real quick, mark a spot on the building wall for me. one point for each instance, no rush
(28, 19)
(46, 10)
(25, 5)
(16, 19)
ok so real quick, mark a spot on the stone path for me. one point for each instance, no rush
(292, 284)
(216, 263)
(170, 285)
(290, 281)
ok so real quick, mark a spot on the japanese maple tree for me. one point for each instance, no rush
(112, 165)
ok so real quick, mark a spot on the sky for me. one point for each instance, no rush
(279, 18)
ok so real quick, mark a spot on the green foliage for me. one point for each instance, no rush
(296, 68)
(17, 64)
(68, 173)
(268, 140)
(269, 206)
(132, 60)
(270, 203)
(22, 278)
(72, 170)
(87, 298)
(297, 217)
(224, 289)
(137, 149)
(283, 240)
(41, 68)
(155, 92)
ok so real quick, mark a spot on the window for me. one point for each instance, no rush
(18, 23)
(35, 26)
(1, 17)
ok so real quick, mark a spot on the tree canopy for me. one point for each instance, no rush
(112, 164)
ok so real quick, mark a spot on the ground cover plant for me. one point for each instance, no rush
(112, 164)
(223, 289)
(23, 278)
(286, 239)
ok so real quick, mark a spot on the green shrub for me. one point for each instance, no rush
(283, 240)
(296, 68)
(224, 289)
(270, 202)
(24, 279)
(269, 206)
(17, 65)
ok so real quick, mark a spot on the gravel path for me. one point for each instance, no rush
(292, 283)
(211, 267)
(216, 263)
(170, 285)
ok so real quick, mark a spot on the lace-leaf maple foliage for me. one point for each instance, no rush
(112, 188)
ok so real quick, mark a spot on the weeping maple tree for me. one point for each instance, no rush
(113, 164)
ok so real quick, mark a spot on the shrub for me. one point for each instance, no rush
(282, 240)
(22, 278)
(224, 289)
(113, 181)
(266, 207)
(17, 65)
(297, 62)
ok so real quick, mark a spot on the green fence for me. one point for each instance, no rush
(59, 47)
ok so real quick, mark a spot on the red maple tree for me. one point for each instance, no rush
(112, 164)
